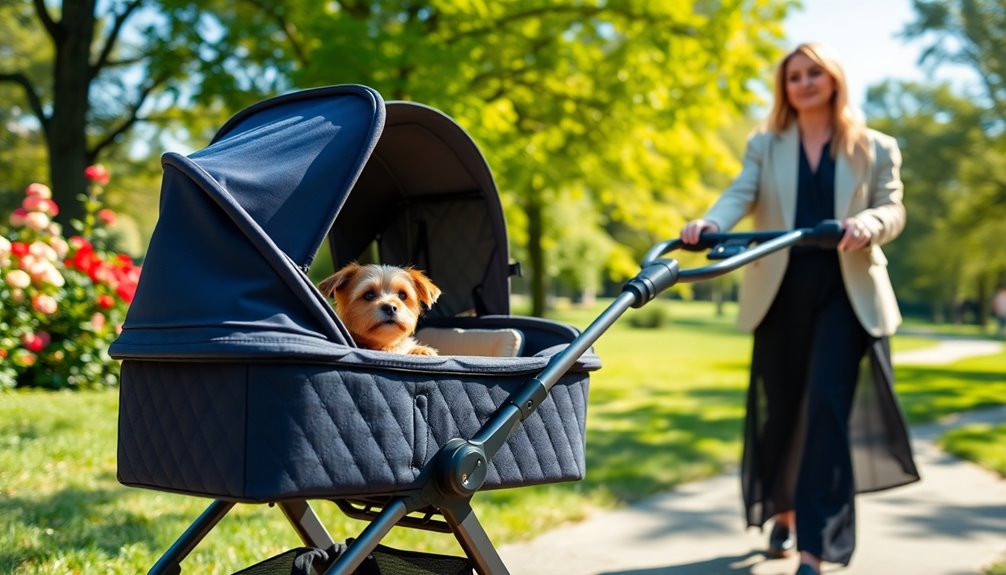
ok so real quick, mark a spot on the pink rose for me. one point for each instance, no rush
(36, 342)
(45, 304)
(78, 242)
(97, 174)
(17, 217)
(18, 279)
(60, 246)
(38, 190)
(36, 221)
(106, 301)
(37, 204)
(43, 250)
(51, 276)
(106, 215)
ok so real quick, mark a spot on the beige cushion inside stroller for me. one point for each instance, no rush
(484, 342)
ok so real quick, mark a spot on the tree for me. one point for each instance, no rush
(955, 157)
(107, 67)
(939, 132)
(22, 148)
(619, 100)
(968, 33)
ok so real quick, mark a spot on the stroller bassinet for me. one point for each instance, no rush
(240, 384)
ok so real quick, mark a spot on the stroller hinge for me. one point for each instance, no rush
(651, 280)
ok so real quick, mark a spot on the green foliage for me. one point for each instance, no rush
(80, 80)
(941, 133)
(954, 245)
(22, 146)
(619, 102)
(62, 299)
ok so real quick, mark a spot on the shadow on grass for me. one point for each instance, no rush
(73, 519)
(730, 370)
(929, 393)
(660, 444)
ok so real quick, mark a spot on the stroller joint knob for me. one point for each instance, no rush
(462, 467)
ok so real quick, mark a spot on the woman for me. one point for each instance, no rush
(816, 314)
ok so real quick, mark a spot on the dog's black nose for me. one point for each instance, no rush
(389, 309)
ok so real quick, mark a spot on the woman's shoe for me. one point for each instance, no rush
(780, 542)
(806, 569)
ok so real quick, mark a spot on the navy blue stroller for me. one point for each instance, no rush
(239, 383)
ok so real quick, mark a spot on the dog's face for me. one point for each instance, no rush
(381, 304)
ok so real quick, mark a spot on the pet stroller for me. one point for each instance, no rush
(240, 384)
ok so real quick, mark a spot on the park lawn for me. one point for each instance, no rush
(667, 407)
(983, 444)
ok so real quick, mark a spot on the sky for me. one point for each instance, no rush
(863, 35)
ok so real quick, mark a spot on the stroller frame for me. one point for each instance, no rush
(461, 462)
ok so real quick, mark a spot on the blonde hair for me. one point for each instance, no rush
(850, 131)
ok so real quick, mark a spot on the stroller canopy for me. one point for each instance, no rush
(241, 221)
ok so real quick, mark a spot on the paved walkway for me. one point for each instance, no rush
(953, 522)
(949, 351)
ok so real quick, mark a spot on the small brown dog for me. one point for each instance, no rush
(381, 304)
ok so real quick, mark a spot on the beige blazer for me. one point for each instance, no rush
(871, 192)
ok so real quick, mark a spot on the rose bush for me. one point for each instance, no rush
(62, 299)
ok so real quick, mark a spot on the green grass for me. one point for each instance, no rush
(984, 444)
(930, 392)
(995, 569)
(667, 407)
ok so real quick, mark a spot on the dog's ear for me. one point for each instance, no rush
(426, 291)
(339, 279)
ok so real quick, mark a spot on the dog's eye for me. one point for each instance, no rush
(403, 296)
(370, 296)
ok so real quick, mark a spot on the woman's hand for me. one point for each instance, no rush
(856, 235)
(693, 229)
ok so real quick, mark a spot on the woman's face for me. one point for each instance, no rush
(808, 85)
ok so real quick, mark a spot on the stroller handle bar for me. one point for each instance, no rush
(460, 460)
(725, 245)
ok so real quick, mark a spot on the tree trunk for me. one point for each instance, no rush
(67, 133)
(982, 303)
(718, 297)
(535, 234)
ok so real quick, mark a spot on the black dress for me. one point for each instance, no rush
(822, 420)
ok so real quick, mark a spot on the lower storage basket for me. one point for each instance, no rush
(389, 561)
(383, 561)
(298, 561)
